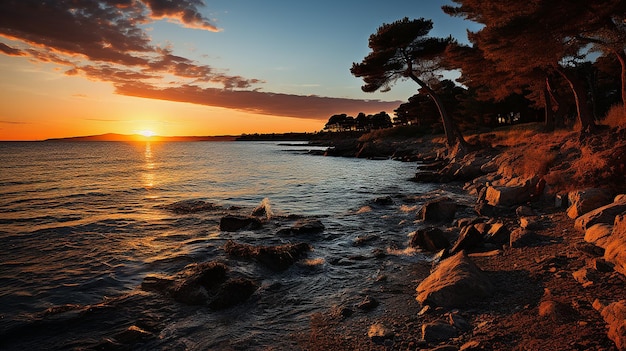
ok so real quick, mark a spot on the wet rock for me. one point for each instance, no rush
(599, 234)
(190, 206)
(231, 223)
(431, 239)
(192, 285)
(440, 210)
(583, 201)
(365, 240)
(522, 237)
(615, 251)
(379, 332)
(455, 282)
(469, 239)
(132, 335)
(438, 331)
(232, 292)
(383, 201)
(614, 314)
(277, 258)
(304, 227)
(605, 214)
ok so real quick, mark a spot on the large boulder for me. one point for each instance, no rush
(469, 239)
(614, 314)
(455, 282)
(439, 210)
(599, 234)
(605, 214)
(514, 192)
(583, 201)
(615, 251)
(430, 239)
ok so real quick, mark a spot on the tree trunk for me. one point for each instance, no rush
(585, 117)
(621, 57)
(549, 116)
(453, 134)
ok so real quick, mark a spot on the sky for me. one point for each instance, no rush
(192, 67)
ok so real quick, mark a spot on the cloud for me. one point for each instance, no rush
(11, 51)
(104, 40)
(274, 104)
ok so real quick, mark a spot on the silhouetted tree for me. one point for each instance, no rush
(402, 50)
(526, 37)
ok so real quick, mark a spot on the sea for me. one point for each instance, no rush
(82, 224)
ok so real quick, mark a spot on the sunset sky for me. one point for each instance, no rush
(191, 67)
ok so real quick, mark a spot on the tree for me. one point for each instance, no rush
(402, 50)
(526, 37)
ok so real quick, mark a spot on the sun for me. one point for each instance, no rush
(146, 133)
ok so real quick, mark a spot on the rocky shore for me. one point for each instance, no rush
(537, 262)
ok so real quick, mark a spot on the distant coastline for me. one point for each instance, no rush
(138, 137)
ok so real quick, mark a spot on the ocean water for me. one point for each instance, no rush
(83, 223)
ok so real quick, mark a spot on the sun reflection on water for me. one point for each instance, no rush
(149, 166)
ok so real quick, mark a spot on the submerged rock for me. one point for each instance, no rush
(190, 206)
(202, 284)
(232, 223)
(304, 226)
(277, 258)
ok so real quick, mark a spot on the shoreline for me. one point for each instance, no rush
(551, 289)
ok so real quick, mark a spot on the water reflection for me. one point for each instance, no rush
(148, 174)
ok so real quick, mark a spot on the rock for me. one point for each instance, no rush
(585, 276)
(383, 201)
(430, 239)
(232, 223)
(132, 335)
(521, 237)
(455, 282)
(524, 211)
(600, 265)
(469, 239)
(440, 210)
(471, 345)
(516, 191)
(190, 206)
(438, 331)
(277, 258)
(615, 251)
(529, 223)
(194, 282)
(598, 234)
(459, 322)
(583, 201)
(557, 311)
(498, 234)
(485, 209)
(605, 214)
(303, 227)
(615, 316)
(445, 348)
(231, 293)
(367, 304)
(378, 333)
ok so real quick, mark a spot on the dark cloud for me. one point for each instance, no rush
(103, 40)
(11, 51)
(287, 105)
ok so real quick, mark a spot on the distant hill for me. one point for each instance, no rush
(137, 137)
